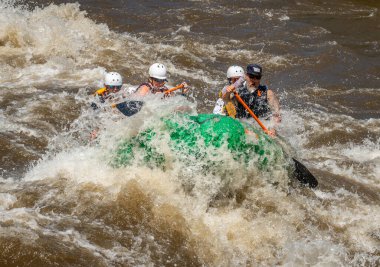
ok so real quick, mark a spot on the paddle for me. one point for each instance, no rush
(241, 101)
(301, 172)
(131, 107)
(174, 89)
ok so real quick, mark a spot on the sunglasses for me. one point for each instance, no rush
(112, 87)
(159, 80)
(256, 77)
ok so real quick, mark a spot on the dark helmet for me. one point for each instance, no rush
(254, 70)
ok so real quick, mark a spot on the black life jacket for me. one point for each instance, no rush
(257, 101)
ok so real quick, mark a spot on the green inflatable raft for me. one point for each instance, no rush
(200, 139)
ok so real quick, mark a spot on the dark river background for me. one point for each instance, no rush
(62, 204)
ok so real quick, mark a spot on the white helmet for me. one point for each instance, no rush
(113, 79)
(158, 71)
(235, 71)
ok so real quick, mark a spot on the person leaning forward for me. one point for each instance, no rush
(156, 81)
(259, 98)
(110, 92)
(112, 85)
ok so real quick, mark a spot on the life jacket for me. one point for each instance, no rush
(153, 89)
(257, 101)
(229, 105)
(101, 93)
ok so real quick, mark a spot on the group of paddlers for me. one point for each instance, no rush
(243, 85)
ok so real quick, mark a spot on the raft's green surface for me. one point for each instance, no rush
(199, 138)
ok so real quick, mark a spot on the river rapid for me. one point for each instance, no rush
(63, 204)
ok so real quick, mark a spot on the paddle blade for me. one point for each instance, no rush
(304, 175)
(129, 108)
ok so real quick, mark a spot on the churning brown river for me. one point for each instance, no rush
(63, 204)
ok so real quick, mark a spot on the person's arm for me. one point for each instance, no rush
(274, 104)
(142, 90)
(228, 90)
(185, 88)
(94, 134)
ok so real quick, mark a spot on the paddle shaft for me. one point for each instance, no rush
(166, 92)
(174, 89)
(241, 101)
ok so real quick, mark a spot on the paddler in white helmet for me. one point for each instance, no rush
(112, 85)
(227, 105)
(156, 81)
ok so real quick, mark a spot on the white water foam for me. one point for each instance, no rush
(50, 45)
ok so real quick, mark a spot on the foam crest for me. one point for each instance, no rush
(345, 154)
(51, 44)
(6, 200)
(315, 253)
(357, 161)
